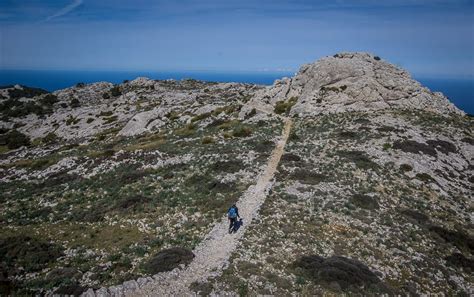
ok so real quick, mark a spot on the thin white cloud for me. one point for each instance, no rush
(65, 10)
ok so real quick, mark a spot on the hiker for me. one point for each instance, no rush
(232, 214)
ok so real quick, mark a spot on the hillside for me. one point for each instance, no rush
(350, 177)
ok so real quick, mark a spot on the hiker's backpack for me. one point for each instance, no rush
(232, 212)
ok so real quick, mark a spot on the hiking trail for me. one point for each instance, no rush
(212, 254)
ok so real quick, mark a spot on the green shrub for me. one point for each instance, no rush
(49, 99)
(364, 201)
(90, 120)
(285, 106)
(72, 120)
(425, 177)
(242, 131)
(25, 92)
(406, 167)
(106, 113)
(349, 274)
(168, 260)
(14, 139)
(51, 137)
(115, 91)
(360, 158)
(30, 253)
(411, 146)
(74, 103)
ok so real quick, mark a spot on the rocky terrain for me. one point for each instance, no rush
(105, 188)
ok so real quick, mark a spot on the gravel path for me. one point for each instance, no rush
(213, 253)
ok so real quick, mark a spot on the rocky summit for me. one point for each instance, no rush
(350, 177)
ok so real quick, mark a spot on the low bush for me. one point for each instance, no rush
(349, 274)
(227, 166)
(411, 146)
(443, 146)
(415, 216)
(458, 260)
(305, 176)
(461, 240)
(14, 139)
(360, 158)
(207, 140)
(49, 99)
(424, 177)
(51, 137)
(285, 106)
(25, 92)
(115, 91)
(30, 253)
(406, 167)
(168, 260)
(74, 103)
(242, 131)
(364, 201)
(106, 113)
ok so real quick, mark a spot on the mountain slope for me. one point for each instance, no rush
(373, 193)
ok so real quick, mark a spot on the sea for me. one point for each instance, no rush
(459, 91)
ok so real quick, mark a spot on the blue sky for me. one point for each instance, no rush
(429, 38)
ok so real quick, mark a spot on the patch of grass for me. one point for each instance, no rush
(110, 120)
(285, 106)
(187, 130)
(173, 115)
(200, 117)
(207, 140)
(101, 154)
(242, 131)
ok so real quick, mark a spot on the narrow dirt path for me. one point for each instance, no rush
(212, 254)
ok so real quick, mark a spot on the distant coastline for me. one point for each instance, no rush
(459, 91)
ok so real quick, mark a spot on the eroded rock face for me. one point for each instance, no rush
(353, 82)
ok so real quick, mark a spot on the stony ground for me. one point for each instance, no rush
(102, 184)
